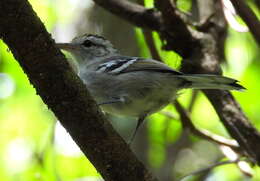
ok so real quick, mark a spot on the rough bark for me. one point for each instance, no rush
(65, 94)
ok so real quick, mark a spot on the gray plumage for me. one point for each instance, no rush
(133, 86)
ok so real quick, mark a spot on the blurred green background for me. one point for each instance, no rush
(34, 146)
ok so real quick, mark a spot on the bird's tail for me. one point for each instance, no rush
(205, 81)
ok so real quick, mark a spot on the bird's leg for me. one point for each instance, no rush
(139, 123)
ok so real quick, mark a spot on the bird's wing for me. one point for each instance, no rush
(119, 65)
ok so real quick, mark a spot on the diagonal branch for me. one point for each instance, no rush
(65, 94)
(134, 13)
(209, 168)
(249, 18)
(187, 123)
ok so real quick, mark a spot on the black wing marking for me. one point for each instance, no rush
(120, 64)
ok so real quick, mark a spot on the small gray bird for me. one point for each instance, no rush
(133, 86)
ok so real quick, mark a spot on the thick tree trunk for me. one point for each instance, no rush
(65, 94)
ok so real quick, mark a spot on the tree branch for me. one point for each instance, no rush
(249, 18)
(178, 35)
(181, 40)
(187, 123)
(65, 94)
(134, 13)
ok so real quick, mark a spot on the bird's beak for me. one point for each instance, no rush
(67, 46)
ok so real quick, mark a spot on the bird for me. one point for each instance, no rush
(133, 86)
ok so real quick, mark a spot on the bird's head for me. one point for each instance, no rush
(88, 48)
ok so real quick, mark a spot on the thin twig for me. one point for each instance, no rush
(150, 42)
(187, 123)
(194, 97)
(209, 168)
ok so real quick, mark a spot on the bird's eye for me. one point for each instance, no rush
(87, 43)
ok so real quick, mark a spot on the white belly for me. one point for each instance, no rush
(138, 95)
(137, 107)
